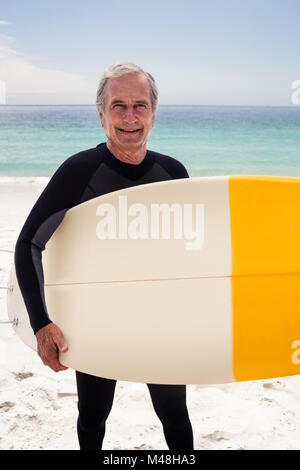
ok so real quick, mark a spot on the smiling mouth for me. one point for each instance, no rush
(134, 131)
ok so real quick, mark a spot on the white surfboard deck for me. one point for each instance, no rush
(144, 310)
(17, 312)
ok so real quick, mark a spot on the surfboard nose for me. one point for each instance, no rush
(265, 241)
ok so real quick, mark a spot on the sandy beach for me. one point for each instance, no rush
(38, 407)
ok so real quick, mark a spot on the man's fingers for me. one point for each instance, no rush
(50, 341)
(50, 358)
(62, 346)
(60, 343)
(54, 364)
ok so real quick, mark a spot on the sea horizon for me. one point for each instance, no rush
(208, 139)
(173, 104)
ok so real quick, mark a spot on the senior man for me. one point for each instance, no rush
(126, 101)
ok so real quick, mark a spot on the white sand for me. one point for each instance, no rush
(38, 408)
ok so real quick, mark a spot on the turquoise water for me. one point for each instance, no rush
(208, 140)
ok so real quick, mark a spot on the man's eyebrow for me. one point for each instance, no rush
(115, 101)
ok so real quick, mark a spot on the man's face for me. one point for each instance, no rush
(127, 117)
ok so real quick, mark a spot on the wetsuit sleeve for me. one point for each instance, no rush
(61, 193)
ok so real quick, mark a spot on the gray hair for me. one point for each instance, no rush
(117, 70)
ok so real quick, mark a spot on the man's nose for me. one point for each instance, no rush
(129, 114)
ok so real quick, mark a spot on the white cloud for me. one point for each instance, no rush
(3, 22)
(21, 75)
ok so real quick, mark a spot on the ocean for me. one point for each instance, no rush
(208, 140)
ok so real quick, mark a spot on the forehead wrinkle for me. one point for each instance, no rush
(117, 91)
(135, 100)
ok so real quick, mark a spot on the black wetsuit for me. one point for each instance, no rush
(81, 177)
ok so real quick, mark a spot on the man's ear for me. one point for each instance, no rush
(153, 119)
(101, 116)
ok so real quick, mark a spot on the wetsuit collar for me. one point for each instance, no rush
(127, 169)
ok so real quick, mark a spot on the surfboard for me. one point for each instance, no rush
(188, 281)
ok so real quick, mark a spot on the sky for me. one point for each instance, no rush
(213, 52)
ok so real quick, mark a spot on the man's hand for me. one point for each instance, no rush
(50, 340)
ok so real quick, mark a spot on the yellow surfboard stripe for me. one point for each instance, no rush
(265, 238)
